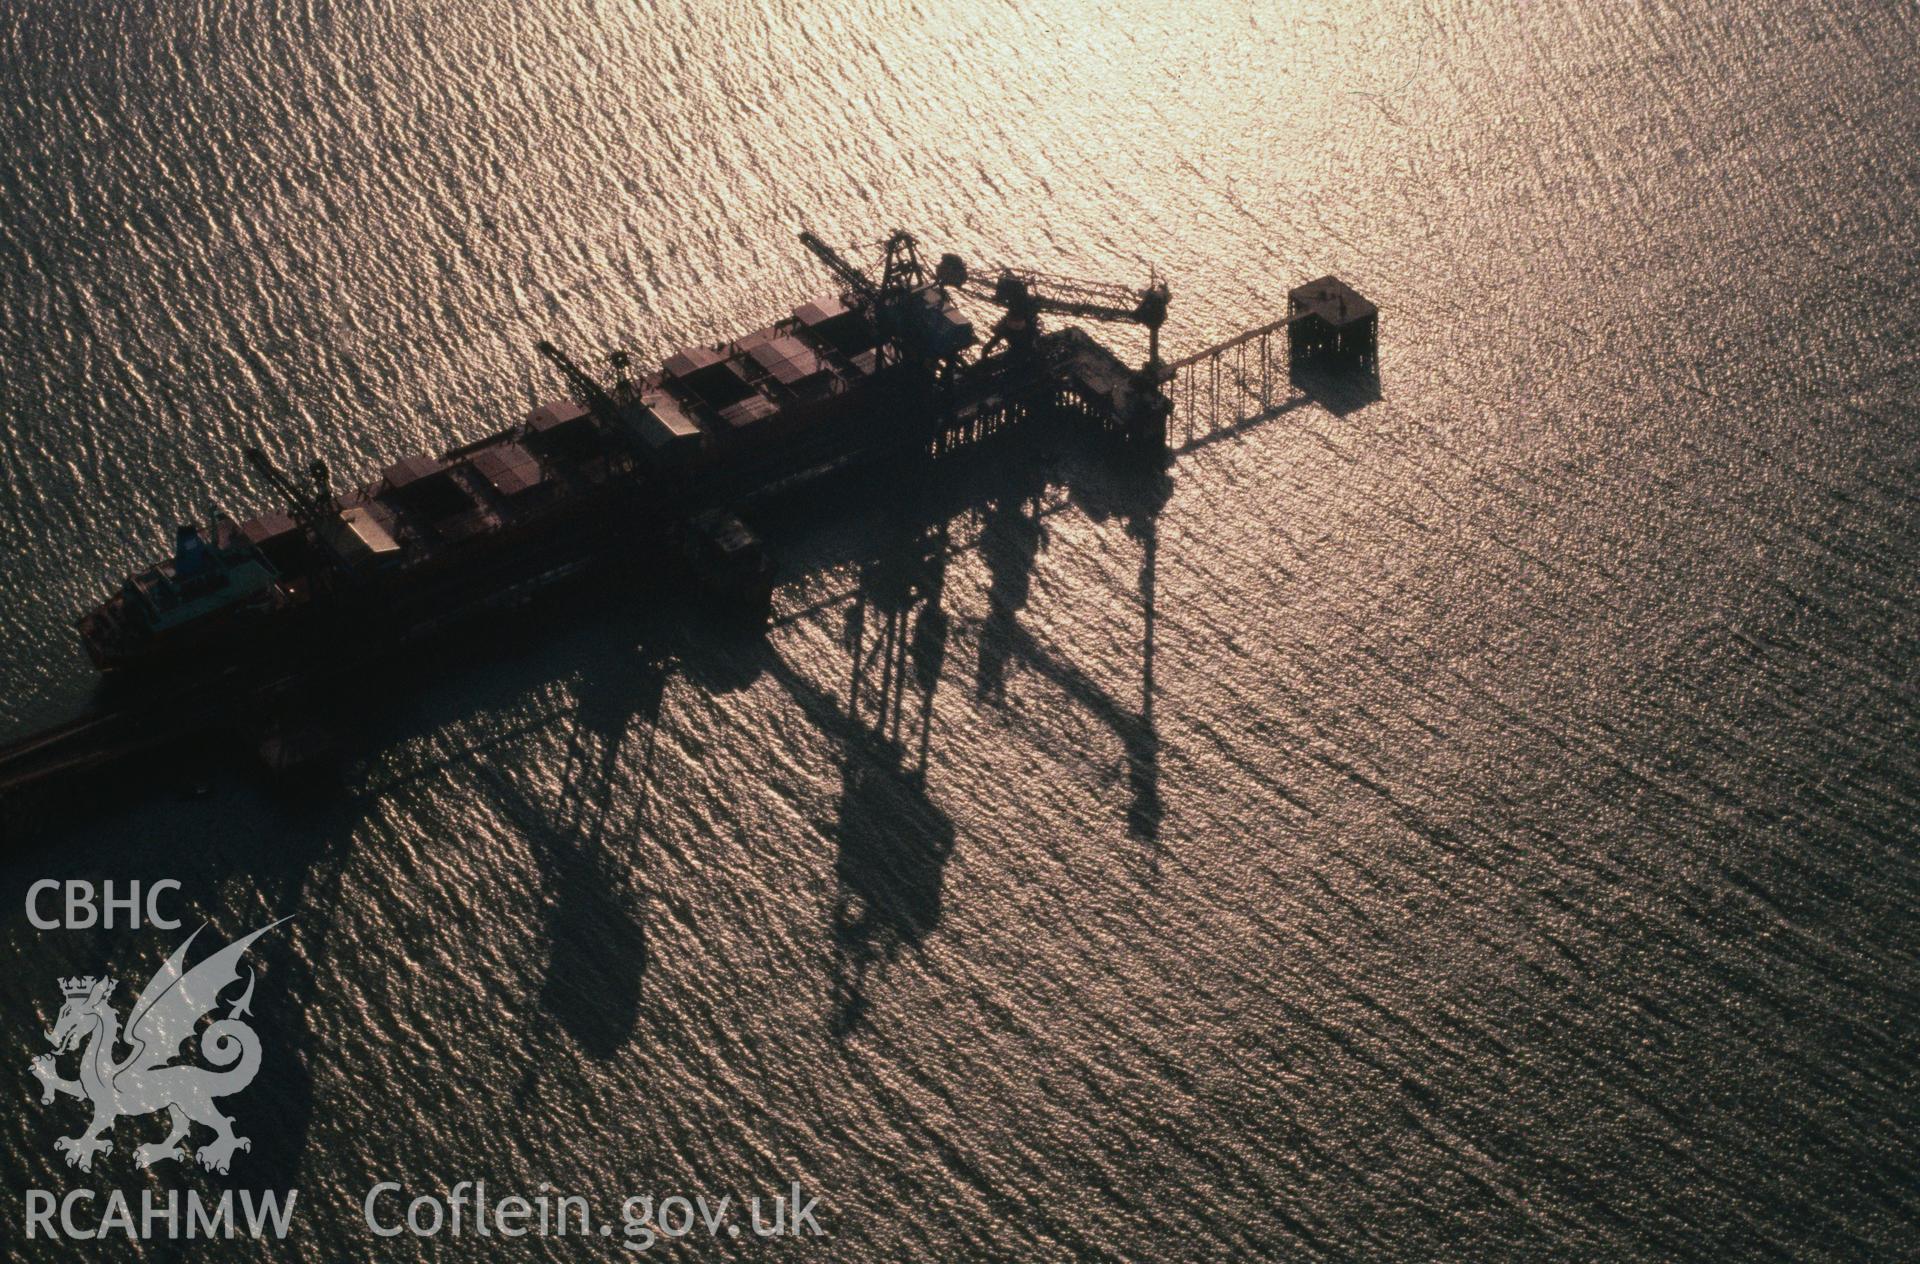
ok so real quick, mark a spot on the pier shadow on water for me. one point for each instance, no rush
(587, 826)
(1338, 391)
(1201, 420)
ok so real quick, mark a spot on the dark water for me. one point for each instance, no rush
(1476, 825)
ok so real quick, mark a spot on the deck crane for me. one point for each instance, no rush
(901, 272)
(900, 269)
(584, 387)
(1025, 295)
(308, 503)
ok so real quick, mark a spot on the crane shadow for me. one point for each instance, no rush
(1012, 535)
(596, 934)
(892, 841)
(581, 819)
(1137, 498)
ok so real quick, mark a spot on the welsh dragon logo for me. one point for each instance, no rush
(148, 1079)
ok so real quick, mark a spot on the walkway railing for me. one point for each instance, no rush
(1243, 377)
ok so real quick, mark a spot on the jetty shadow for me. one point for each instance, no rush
(1200, 436)
(1136, 497)
(1230, 405)
(1341, 391)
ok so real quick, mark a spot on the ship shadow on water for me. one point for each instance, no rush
(302, 880)
(230, 884)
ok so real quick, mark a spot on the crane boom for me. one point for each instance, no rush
(856, 281)
(308, 504)
(912, 311)
(586, 390)
(1025, 294)
(1053, 288)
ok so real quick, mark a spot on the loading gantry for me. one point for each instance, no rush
(1026, 294)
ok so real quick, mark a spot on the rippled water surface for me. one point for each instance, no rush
(1476, 823)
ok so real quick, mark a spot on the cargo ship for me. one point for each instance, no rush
(654, 467)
